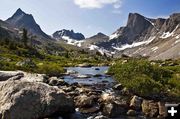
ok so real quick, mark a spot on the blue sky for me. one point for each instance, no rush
(87, 16)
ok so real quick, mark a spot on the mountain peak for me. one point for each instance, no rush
(69, 33)
(18, 12)
(100, 34)
(135, 14)
(138, 23)
(22, 20)
(134, 18)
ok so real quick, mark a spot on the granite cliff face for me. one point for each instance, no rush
(154, 38)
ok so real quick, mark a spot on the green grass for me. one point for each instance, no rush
(45, 62)
(147, 78)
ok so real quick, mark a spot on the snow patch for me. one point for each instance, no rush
(93, 47)
(168, 34)
(144, 55)
(113, 36)
(149, 21)
(100, 50)
(177, 41)
(154, 48)
(178, 36)
(135, 44)
(72, 41)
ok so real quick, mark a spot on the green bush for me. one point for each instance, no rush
(144, 86)
(51, 69)
(144, 78)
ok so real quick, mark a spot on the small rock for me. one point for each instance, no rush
(98, 75)
(84, 101)
(105, 81)
(75, 84)
(162, 109)
(80, 76)
(67, 89)
(84, 90)
(114, 109)
(71, 72)
(106, 97)
(101, 117)
(136, 102)
(97, 69)
(150, 108)
(89, 110)
(118, 87)
(131, 113)
(125, 91)
(54, 81)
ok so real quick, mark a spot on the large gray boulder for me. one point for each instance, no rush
(32, 100)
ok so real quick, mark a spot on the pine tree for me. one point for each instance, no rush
(25, 38)
(6, 41)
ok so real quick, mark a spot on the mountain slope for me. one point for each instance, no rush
(99, 37)
(8, 31)
(153, 38)
(22, 20)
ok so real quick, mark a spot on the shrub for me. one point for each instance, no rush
(144, 78)
(51, 69)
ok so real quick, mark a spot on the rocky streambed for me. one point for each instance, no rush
(81, 93)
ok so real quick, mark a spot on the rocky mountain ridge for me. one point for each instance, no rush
(68, 33)
(153, 38)
(146, 37)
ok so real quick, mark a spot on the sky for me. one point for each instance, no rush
(87, 16)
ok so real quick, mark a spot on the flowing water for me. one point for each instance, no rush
(92, 76)
(88, 75)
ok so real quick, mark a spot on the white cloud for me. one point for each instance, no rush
(94, 4)
(118, 4)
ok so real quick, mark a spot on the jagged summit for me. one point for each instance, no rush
(68, 33)
(21, 20)
(18, 12)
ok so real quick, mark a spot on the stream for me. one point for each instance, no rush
(88, 75)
